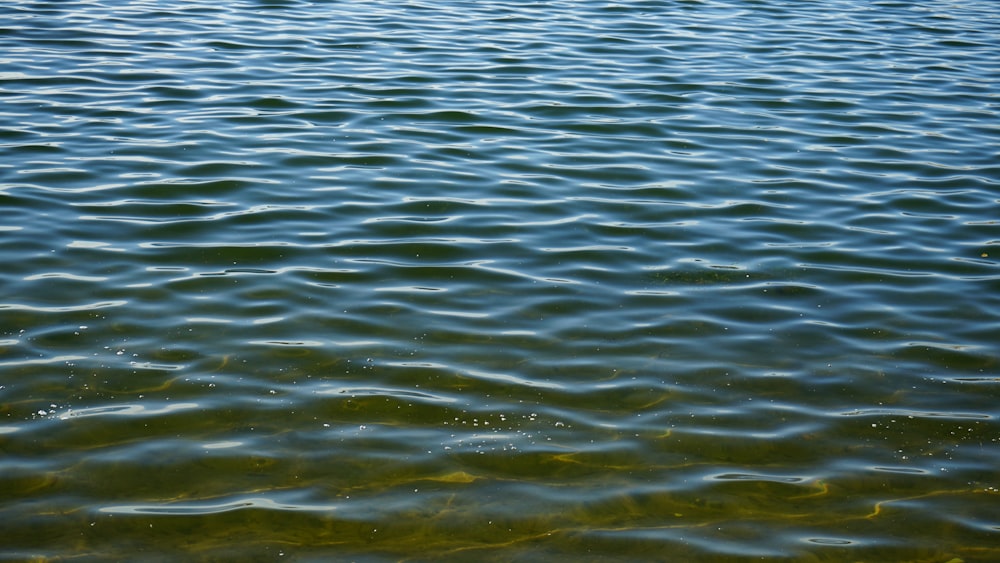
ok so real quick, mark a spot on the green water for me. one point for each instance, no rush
(521, 281)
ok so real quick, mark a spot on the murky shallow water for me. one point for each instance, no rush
(661, 280)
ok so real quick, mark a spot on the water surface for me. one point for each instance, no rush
(650, 280)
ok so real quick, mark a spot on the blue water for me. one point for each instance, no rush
(651, 280)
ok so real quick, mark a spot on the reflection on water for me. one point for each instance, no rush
(501, 281)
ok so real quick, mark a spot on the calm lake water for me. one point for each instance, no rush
(667, 280)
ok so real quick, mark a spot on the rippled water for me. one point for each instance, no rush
(650, 280)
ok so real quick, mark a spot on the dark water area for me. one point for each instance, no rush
(656, 280)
